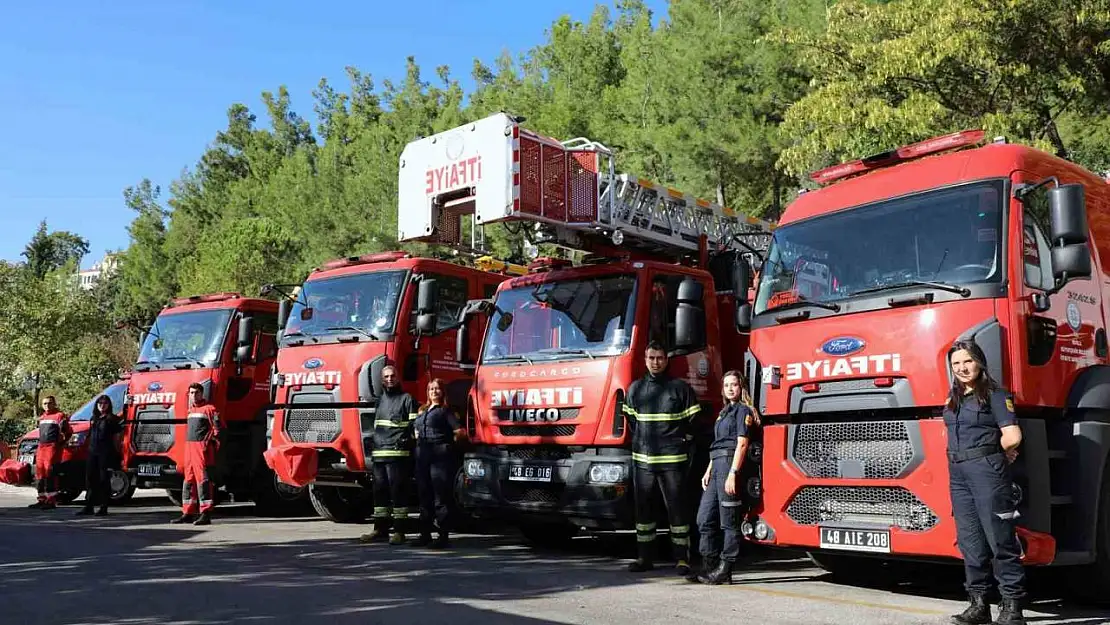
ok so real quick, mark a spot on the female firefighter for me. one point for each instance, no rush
(720, 501)
(105, 430)
(436, 430)
(983, 437)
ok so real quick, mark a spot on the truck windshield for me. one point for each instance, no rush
(363, 301)
(951, 236)
(564, 319)
(191, 338)
(114, 392)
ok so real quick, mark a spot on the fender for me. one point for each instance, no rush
(1088, 408)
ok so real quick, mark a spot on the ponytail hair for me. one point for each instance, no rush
(745, 396)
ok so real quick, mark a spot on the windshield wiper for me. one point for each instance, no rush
(190, 359)
(566, 350)
(354, 329)
(802, 303)
(944, 286)
(514, 357)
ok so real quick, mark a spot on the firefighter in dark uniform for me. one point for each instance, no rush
(659, 410)
(105, 430)
(436, 429)
(720, 501)
(391, 459)
(983, 437)
(54, 433)
(201, 442)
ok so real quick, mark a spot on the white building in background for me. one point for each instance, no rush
(88, 278)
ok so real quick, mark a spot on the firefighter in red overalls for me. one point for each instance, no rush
(200, 455)
(54, 433)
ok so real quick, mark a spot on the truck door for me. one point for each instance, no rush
(437, 353)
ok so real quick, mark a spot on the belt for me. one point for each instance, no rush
(972, 454)
(722, 453)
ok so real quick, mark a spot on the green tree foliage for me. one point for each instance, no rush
(47, 251)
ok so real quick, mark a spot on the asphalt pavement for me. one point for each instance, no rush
(134, 568)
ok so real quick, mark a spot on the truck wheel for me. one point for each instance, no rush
(120, 488)
(67, 495)
(174, 495)
(548, 535)
(341, 504)
(272, 497)
(856, 570)
(1091, 583)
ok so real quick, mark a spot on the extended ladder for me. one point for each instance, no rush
(498, 171)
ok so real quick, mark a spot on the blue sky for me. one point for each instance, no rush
(98, 95)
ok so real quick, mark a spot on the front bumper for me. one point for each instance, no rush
(569, 496)
(154, 472)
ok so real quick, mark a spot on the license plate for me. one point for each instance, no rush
(27, 459)
(873, 541)
(150, 470)
(525, 473)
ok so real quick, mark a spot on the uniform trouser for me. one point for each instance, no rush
(983, 506)
(46, 470)
(719, 513)
(669, 479)
(435, 477)
(198, 480)
(391, 492)
(98, 475)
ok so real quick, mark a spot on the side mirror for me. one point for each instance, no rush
(283, 313)
(504, 321)
(462, 344)
(1067, 208)
(306, 313)
(427, 296)
(245, 341)
(426, 323)
(744, 317)
(689, 330)
(741, 278)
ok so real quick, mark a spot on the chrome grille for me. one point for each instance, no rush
(152, 438)
(868, 505)
(538, 430)
(516, 493)
(539, 453)
(312, 425)
(875, 449)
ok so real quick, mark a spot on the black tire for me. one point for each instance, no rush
(67, 495)
(341, 504)
(272, 497)
(175, 496)
(857, 570)
(121, 488)
(548, 535)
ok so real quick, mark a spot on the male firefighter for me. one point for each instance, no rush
(391, 459)
(54, 433)
(659, 410)
(201, 443)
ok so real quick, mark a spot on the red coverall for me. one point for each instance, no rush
(54, 431)
(200, 454)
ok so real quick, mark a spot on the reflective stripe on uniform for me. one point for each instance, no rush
(646, 459)
(381, 512)
(663, 416)
(681, 541)
(681, 530)
(400, 513)
(390, 424)
(412, 416)
(390, 453)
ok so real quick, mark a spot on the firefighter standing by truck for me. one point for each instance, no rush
(659, 410)
(437, 428)
(201, 443)
(54, 433)
(983, 437)
(392, 458)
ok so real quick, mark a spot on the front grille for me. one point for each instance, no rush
(864, 449)
(152, 438)
(538, 430)
(539, 453)
(312, 425)
(874, 505)
(519, 493)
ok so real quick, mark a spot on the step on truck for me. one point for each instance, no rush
(227, 343)
(550, 445)
(868, 281)
(350, 318)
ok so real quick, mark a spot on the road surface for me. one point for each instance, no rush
(134, 568)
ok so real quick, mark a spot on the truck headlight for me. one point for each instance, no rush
(606, 473)
(755, 487)
(762, 530)
(755, 451)
(475, 468)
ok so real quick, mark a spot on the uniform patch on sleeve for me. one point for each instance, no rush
(748, 420)
(1009, 404)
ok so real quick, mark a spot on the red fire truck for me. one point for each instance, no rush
(867, 283)
(565, 341)
(350, 318)
(227, 343)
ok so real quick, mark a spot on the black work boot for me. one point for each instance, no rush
(103, 511)
(441, 541)
(184, 518)
(721, 574)
(708, 563)
(643, 561)
(977, 613)
(376, 535)
(1010, 613)
(424, 540)
(37, 505)
(87, 510)
(203, 519)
